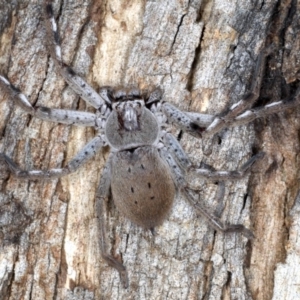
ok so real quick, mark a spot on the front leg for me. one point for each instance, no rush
(182, 120)
(82, 156)
(198, 124)
(247, 101)
(80, 86)
(272, 108)
(212, 124)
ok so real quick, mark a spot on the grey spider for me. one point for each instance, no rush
(147, 165)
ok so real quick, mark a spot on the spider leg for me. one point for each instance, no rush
(80, 86)
(240, 113)
(193, 123)
(176, 150)
(219, 198)
(275, 107)
(101, 200)
(155, 96)
(64, 116)
(248, 100)
(174, 147)
(216, 124)
(228, 175)
(82, 156)
(182, 120)
(188, 193)
(203, 120)
(197, 124)
(214, 221)
(208, 172)
(13, 92)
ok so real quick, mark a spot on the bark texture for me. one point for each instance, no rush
(203, 54)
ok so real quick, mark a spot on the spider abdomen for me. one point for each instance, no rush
(142, 186)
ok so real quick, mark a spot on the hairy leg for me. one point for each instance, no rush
(189, 194)
(80, 86)
(228, 175)
(101, 200)
(64, 116)
(82, 156)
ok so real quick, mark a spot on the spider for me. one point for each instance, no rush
(146, 166)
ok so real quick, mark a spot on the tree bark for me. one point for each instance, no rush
(203, 55)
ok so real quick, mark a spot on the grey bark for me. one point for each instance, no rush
(202, 53)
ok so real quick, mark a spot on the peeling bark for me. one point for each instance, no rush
(203, 54)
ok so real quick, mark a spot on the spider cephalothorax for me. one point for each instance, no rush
(130, 125)
(147, 164)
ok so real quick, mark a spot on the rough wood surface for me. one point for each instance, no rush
(202, 53)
